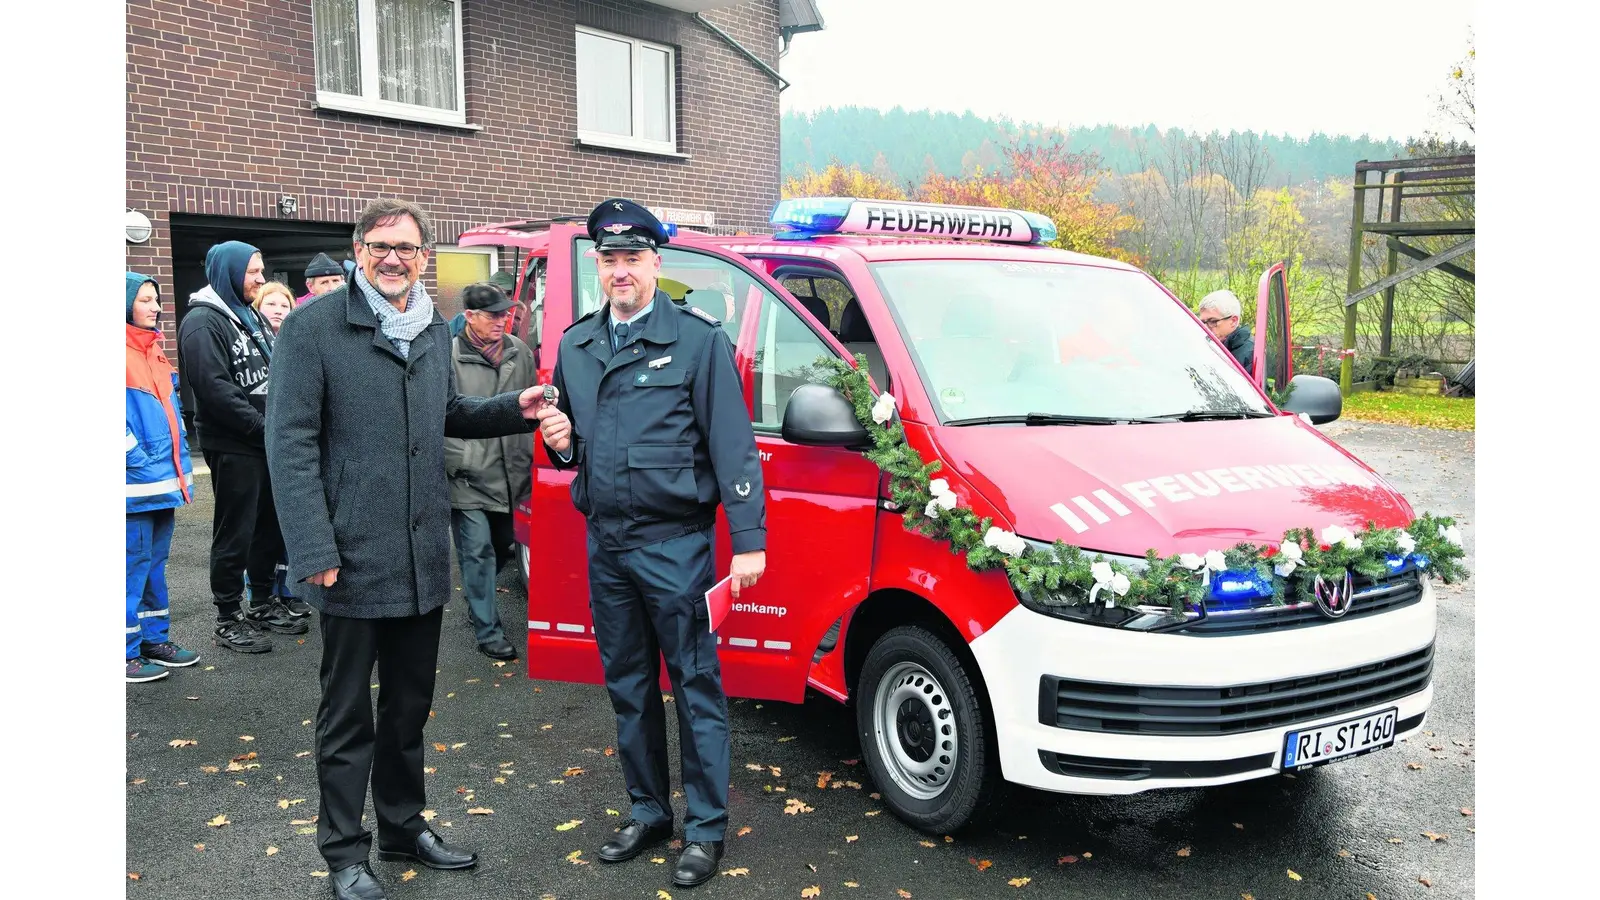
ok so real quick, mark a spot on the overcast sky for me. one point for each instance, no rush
(1293, 67)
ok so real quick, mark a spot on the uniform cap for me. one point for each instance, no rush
(619, 224)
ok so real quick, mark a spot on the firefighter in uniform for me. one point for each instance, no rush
(649, 411)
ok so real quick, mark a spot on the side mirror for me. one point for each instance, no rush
(1316, 397)
(819, 416)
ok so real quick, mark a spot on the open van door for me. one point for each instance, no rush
(1272, 369)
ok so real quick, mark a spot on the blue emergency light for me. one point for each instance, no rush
(804, 217)
(1237, 589)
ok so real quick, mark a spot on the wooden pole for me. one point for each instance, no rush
(1353, 280)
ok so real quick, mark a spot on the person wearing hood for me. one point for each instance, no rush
(159, 481)
(322, 275)
(226, 348)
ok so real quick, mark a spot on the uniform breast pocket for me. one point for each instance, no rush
(661, 480)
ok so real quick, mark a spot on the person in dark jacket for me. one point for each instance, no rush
(1220, 312)
(226, 353)
(159, 481)
(364, 399)
(650, 413)
(487, 477)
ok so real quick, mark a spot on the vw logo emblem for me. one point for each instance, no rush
(1333, 597)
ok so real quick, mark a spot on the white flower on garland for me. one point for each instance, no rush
(1291, 554)
(883, 410)
(1004, 541)
(1451, 534)
(943, 498)
(1191, 561)
(1215, 561)
(1406, 541)
(1335, 534)
(1105, 579)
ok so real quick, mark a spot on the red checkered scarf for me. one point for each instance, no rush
(493, 351)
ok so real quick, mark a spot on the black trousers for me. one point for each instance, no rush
(648, 603)
(244, 528)
(351, 751)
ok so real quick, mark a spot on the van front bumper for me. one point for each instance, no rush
(1048, 677)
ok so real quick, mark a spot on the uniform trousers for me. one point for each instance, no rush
(649, 603)
(351, 750)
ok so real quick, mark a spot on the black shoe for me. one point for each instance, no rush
(357, 883)
(432, 852)
(632, 839)
(296, 608)
(273, 616)
(241, 635)
(697, 864)
(498, 648)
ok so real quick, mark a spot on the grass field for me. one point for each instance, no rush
(1407, 408)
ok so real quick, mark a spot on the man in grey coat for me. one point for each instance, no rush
(364, 398)
(487, 477)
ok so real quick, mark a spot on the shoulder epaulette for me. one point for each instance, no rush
(704, 315)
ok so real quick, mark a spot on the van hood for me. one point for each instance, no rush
(1184, 487)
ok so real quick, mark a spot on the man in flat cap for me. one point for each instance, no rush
(322, 275)
(651, 415)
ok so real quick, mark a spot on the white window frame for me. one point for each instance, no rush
(370, 101)
(669, 147)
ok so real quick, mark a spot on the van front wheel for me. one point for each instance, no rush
(923, 730)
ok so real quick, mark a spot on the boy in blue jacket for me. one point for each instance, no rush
(159, 481)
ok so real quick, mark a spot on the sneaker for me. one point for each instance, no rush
(141, 669)
(273, 616)
(169, 654)
(297, 608)
(240, 634)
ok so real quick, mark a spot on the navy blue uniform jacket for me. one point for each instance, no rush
(656, 447)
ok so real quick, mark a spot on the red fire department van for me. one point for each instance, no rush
(1068, 397)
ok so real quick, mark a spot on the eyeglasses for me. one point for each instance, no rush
(381, 251)
(494, 316)
(1212, 323)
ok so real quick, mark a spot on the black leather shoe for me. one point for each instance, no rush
(498, 648)
(357, 883)
(632, 839)
(432, 852)
(697, 864)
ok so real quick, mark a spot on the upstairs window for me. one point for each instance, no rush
(394, 58)
(627, 93)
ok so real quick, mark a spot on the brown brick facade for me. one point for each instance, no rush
(222, 120)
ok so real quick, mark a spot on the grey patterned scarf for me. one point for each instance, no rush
(401, 328)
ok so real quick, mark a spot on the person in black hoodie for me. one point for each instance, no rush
(226, 351)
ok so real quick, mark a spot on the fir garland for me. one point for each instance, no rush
(1068, 575)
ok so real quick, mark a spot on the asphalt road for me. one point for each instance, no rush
(536, 754)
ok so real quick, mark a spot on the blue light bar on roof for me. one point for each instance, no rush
(807, 216)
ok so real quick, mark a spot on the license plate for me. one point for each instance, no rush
(1323, 744)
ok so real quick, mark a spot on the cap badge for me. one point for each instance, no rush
(618, 228)
(617, 204)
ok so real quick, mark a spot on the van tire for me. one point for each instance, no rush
(915, 708)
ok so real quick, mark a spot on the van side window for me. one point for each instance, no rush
(786, 354)
(828, 297)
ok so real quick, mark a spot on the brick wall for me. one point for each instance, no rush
(221, 120)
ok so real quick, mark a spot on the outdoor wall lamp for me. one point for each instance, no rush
(287, 206)
(137, 227)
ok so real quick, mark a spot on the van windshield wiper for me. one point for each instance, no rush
(1055, 419)
(1202, 415)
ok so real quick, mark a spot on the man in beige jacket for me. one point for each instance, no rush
(490, 475)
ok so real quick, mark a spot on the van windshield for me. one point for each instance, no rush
(1009, 340)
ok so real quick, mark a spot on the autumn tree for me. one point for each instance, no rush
(1049, 180)
(838, 180)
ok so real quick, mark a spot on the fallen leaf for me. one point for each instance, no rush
(133, 876)
(785, 739)
(557, 781)
(319, 874)
(735, 873)
(755, 767)
(1465, 811)
(246, 738)
(658, 859)
(1245, 895)
(811, 866)
(1435, 837)
(1371, 896)
(813, 891)
(661, 894)
(926, 843)
(457, 746)
(1413, 766)
(305, 723)
(1019, 882)
(1293, 875)
(182, 742)
(272, 851)
(573, 771)
(982, 864)
(218, 822)
(302, 754)
(137, 781)
(313, 819)
(850, 762)
(873, 812)
(1396, 841)
(777, 772)
(200, 848)
(949, 840)
(546, 727)
(473, 680)
(480, 811)
(794, 806)
(1345, 853)
(744, 831)
(1183, 851)
(903, 893)
(408, 874)
(575, 857)
(1424, 882)
(429, 815)
(851, 884)
(1239, 825)
(823, 778)
(568, 826)
(875, 795)
(440, 747)
(1088, 855)
(500, 780)
(309, 829)
(191, 698)
(209, 770)
(609, 751)
(1068, 859)
(851, 838)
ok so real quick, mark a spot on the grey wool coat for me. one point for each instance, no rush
(355, 447)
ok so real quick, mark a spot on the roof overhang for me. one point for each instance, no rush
(798, 16)
(694, 6)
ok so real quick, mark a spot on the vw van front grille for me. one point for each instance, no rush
(1371, 597)
(1141, 709)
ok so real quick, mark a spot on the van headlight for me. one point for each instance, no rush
(1073, 607)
